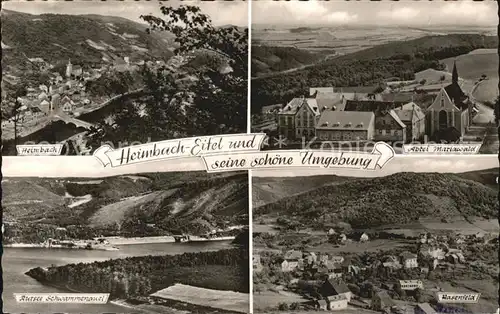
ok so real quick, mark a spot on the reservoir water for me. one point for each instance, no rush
(16, 261)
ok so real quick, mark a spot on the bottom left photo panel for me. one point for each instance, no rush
(174, 242)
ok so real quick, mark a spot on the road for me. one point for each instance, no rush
(485, 114)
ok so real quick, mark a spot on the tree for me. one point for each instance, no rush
(221, 92)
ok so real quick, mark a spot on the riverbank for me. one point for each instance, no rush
(118, 241)
(44, 246)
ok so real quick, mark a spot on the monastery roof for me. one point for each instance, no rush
(407, 111)
(369, 105)
(345, 120)
(397, 119)
(293, 106)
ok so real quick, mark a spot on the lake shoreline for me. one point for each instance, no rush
(120, 241)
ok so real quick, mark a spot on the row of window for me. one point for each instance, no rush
(348, 136)
(388, 132)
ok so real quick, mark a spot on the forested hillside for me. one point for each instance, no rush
(146, 205)
(140, 276)
(368, 67)
(396, 199)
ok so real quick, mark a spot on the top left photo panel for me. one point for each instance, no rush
(88, 73)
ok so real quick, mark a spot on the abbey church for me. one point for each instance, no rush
(452, 108)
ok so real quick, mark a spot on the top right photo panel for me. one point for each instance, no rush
(420, 76)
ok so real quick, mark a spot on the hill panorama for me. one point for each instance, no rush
(395, 199)
(149, 204)
(85, 39)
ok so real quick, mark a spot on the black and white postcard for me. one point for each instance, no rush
(172, 242)
(346, 74)
(84, 73)
(419, 236)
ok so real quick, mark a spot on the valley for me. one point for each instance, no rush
(359, 236)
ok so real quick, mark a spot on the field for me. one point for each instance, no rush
(270, 299)
(338, 40)
(226, 300)
(473, 65)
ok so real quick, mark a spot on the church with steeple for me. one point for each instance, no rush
(451, 109)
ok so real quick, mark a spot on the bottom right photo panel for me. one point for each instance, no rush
(418, 236)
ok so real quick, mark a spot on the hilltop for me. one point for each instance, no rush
(400, 198)
(368, 67)
(85, 39)
(146, 205)
(267, 190)
(269, 59)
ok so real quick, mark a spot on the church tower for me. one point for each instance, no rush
(69, 69)
(454, 75)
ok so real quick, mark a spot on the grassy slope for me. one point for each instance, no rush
(267, 59)
(270, 189)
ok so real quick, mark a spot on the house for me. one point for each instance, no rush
(363, 238)
(392, 262)
(410, 284)
(337, 302)
(66, 104)
(381, 301)
(45, 106)
(336, 259)
(324, 258)
(322, 305)
(43, 95)
(409, 260)
(334, 287)
(306, 118)
(455, 257)
(291, 261)
(286, 118)
(414, 119)
(424, 308)
(451, 109)
(311, 258)
(35, 111)
(388, 126)
(257, 266)
(343, 238)
(345, 126)
(428, 251)
(334, 270)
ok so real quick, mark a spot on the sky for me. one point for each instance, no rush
(383, 13)
(221, 12)
(89, 166)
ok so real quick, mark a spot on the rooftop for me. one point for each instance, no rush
(345, 120)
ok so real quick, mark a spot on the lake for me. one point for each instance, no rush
(16, 261)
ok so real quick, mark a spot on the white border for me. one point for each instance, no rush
(249, 130)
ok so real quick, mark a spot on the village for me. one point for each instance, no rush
(397, 112)
(66, 97)
(404, 280)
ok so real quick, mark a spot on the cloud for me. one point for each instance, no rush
(302, 12)
(467, 12)
(404, 14)
(386, 13)
(341, 17)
